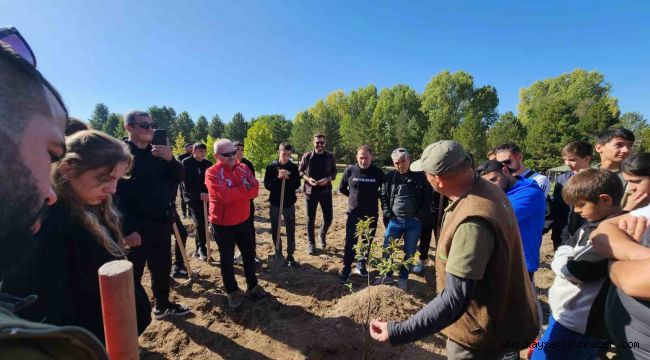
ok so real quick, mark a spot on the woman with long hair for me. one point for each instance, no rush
(79, 233)
(636, 171)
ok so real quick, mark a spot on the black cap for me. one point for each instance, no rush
(488, 167)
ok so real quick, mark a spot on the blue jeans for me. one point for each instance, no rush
(410, 230)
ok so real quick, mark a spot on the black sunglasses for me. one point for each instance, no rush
(320, 142)
(229, 154)
(10, 37)
(506, 162)
(146, 125)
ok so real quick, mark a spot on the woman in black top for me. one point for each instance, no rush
(79, 233)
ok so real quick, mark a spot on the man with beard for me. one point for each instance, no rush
(510, 155)
(32, 120)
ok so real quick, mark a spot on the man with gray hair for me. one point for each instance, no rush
(231, 186)
(485, 305)
(405, 199)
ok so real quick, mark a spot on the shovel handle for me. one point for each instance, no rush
(179, 241)
(277, 240)
(207, 232)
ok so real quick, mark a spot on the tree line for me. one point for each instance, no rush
(551, 112)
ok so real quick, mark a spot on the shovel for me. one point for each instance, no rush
(190, 274)
(207, 232)
(276, 261)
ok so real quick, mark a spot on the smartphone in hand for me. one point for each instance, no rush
(159, 137)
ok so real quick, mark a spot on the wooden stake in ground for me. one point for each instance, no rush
(118, 310)
(276, 261)
(179, 241)
(207, 232)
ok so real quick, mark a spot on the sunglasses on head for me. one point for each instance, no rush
(9, 36)
(146, 125)
(229, 154)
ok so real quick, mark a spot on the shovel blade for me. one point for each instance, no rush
(276, 262)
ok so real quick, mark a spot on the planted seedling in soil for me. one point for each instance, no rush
(386, 260)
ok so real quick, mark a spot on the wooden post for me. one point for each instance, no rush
(179, 241)
(118, 310)
(207, 232)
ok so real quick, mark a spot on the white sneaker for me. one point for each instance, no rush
(418, 267)
(402, 284)
(239, 260)
(383, 280)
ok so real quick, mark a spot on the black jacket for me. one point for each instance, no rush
(274, 185)
(148, 194)
(417, 182)
(194, 178)
(63, 274)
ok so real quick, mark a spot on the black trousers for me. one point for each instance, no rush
(351, 240)
(428, 228)
(178, 257)
(196, 211)
(227, 237)
(155, 252)
(312, 201)
(251, 224)
(289, 216)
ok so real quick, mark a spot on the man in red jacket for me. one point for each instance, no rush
(231, 186)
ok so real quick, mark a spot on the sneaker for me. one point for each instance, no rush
(311, 249)
(172, 309)
(234, 300)
(323, 242)
(203, 254)
(361, 270)
(179, 274)
(386, 280)
(291, 262)
(418, 268)
(402, 284)
(256, 293)
(239, 260)
(257, 260)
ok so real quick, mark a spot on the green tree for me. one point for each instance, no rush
(179, 145)
(99, 117)
(356, 123)
(302, 132)
(183, 125)
(327, 116)
(216, 127)
(279, 125)
(507, 129)
(396, 122)
(165, 118)
(555, 111)
(457, 110)
(209, 143)
(200, 131)
(237, 127)
(114, 126)
(259, 144)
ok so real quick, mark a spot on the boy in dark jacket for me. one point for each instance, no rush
(577, 296)
(276, 171)
(195, 193)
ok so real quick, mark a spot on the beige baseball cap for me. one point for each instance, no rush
(440, 157)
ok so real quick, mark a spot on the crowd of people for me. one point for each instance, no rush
(74, 199)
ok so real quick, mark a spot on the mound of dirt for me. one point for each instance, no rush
(386, 301)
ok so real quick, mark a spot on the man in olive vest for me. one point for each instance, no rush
(485, 305)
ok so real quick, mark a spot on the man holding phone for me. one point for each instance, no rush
(318, 169)
(145, 200)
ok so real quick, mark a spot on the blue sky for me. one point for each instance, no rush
(268, 57)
